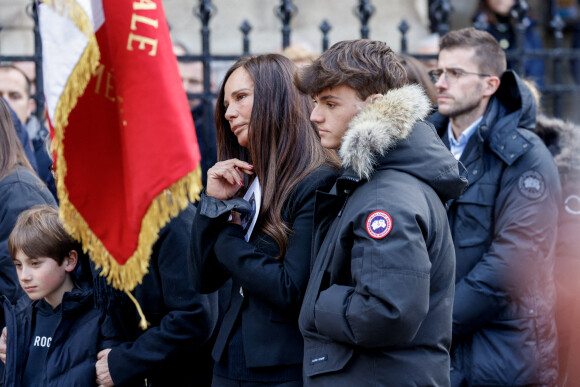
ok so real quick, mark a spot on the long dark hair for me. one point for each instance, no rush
(11, 151)
(283, 144)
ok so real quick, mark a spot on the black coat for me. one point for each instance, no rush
(81, 333)
(377, 310)
(267, 292)
(504, 229)
(173, 350)
(19, 191)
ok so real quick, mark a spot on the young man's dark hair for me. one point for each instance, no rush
(367, 66)
(377, 310)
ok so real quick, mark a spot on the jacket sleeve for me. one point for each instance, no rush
(186, 323)
(389, 296)
(279, 282)
(521, 251)
(206, 272)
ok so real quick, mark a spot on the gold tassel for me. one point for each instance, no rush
(143, 324)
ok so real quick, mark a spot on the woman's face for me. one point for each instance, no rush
(238, 102)
(500, 7)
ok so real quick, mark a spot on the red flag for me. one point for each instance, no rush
(126, 154)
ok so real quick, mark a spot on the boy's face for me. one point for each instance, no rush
(44, 277)
(333, 110)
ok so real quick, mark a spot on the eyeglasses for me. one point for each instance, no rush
(451, 74)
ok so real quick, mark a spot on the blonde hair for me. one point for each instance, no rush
(299, 53)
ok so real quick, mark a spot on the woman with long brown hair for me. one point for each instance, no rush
(263, 132)
(20, 189)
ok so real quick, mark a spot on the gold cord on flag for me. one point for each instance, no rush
(143, 324)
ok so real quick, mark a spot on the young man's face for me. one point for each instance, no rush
(44, 277)
(333, 110)
(13, 88)
(462, 95)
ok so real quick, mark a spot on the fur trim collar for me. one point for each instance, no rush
(562, 139)
(380, 125)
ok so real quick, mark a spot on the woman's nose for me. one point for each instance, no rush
(231, 112)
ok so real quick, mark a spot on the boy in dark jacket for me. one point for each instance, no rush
(54, 336)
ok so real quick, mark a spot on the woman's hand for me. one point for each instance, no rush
(225, 178)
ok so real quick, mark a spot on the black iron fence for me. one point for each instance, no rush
(439, 15)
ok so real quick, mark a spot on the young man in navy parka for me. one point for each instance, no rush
(377, 310)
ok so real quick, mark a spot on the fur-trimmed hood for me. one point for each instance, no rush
(390, 133)
(563, 140)
(380, 125)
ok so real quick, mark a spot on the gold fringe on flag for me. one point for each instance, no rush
(164, 207)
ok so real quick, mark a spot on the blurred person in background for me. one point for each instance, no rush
(192, 76)
(495, 16)
(563, 141)
(16, 89)
(299, 54)
(418, 74)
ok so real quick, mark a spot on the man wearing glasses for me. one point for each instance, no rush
(504, 225)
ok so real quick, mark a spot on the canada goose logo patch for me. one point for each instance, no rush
(531, 185)
(379, 224)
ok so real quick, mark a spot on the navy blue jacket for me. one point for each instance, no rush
(81, 333)
(377, 310)
(504, 228)
(173, 350)
(19, 191)
(267, 292)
